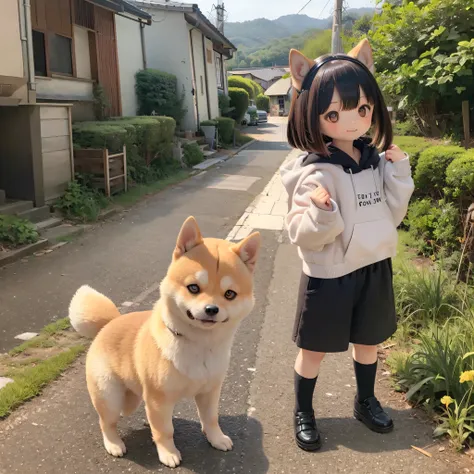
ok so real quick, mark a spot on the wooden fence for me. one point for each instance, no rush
(108, 172)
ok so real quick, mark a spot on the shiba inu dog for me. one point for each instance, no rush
(178, 350)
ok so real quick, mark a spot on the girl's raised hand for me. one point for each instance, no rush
(394, 154)
(321, 198)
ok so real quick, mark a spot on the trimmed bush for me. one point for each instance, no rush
(263, 102)
(226, 129)
(430, 175)
(224, 105)
(15, 231)
(250, 86)
(460, 176)
(157, 93)
(413, 146)
(146, 138)
(208, 123)
(192, 154)
(239, 99)
(406, 129)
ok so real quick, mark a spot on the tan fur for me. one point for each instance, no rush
(300, 64)
(140, 356)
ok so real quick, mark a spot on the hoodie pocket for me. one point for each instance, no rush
(372, 239)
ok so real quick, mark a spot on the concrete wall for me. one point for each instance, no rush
(21, 172)
(82, 52)
(56, 149)
(167, 49)
(64, 89)
(130, 59)
(11, 56)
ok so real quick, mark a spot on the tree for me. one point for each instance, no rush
(424, 53)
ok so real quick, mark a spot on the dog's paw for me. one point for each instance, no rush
(169, 458)
(221, 442)
(115, 449)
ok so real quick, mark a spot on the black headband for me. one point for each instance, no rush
(309, 78)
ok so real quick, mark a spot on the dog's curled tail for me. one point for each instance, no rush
(90, 311)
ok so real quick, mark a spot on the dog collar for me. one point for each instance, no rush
(172, 331)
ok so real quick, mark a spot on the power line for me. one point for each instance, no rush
(306, 4)
(322, 11)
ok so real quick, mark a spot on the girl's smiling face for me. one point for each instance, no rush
(347, 125)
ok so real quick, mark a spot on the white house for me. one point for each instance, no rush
(183, 42)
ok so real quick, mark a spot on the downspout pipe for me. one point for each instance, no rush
(142, 37)
(29, 45)
(194, 73)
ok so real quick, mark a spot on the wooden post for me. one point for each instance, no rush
(125, 178)
(466, 124)
(106, 173)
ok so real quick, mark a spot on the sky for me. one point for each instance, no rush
(242, 10)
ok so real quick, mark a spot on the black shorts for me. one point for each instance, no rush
(358, 308)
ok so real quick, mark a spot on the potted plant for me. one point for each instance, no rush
(208, 127)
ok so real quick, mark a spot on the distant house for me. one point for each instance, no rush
(280, 97)
(183, 42)
(263, 76)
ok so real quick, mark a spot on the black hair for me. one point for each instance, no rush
(348, 76)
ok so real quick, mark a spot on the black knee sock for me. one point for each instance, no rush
(365, 377)
(304, 390)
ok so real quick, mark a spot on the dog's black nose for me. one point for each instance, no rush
(211, 310)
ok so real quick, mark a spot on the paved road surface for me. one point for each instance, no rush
(58, 433)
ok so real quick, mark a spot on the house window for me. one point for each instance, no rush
(209, 56)
(202, 86)
(39, 53)
(60, 54)
(219, 73)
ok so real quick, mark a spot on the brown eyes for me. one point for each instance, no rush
(333, 116)
(229, 294)
(364, 110)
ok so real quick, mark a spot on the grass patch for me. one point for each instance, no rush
(135, 194)
(44, 338)
(29, 381)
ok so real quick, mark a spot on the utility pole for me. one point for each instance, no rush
(220, 10)
(337, 28)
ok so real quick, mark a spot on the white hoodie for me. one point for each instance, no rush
(361, 228)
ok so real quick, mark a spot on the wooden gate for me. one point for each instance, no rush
(107, 60)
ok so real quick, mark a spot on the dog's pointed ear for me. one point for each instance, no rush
(188, 238)
(248, 250)
(299, 67)
(363, 52)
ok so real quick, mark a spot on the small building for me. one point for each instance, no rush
(266, 77)
(51, 54)
(280, 97)
(183, 42)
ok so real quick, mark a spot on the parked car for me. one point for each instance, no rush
(254, 116)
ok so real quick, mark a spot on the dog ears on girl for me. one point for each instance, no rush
(300, 64)
(248, 250)
(188, 238)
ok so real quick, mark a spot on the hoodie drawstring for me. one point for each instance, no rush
(378, 188)
(353, 187)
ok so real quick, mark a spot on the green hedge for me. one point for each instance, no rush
(460, 176)
(146, 138)
(430, 174)
(192, 154)
(239, 99)
(263, 102)
(413, 146)
(157, 92)
(226, 129)
(250, 86)
(15, 231)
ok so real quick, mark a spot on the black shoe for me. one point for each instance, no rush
(371, 413)
(306, 431)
